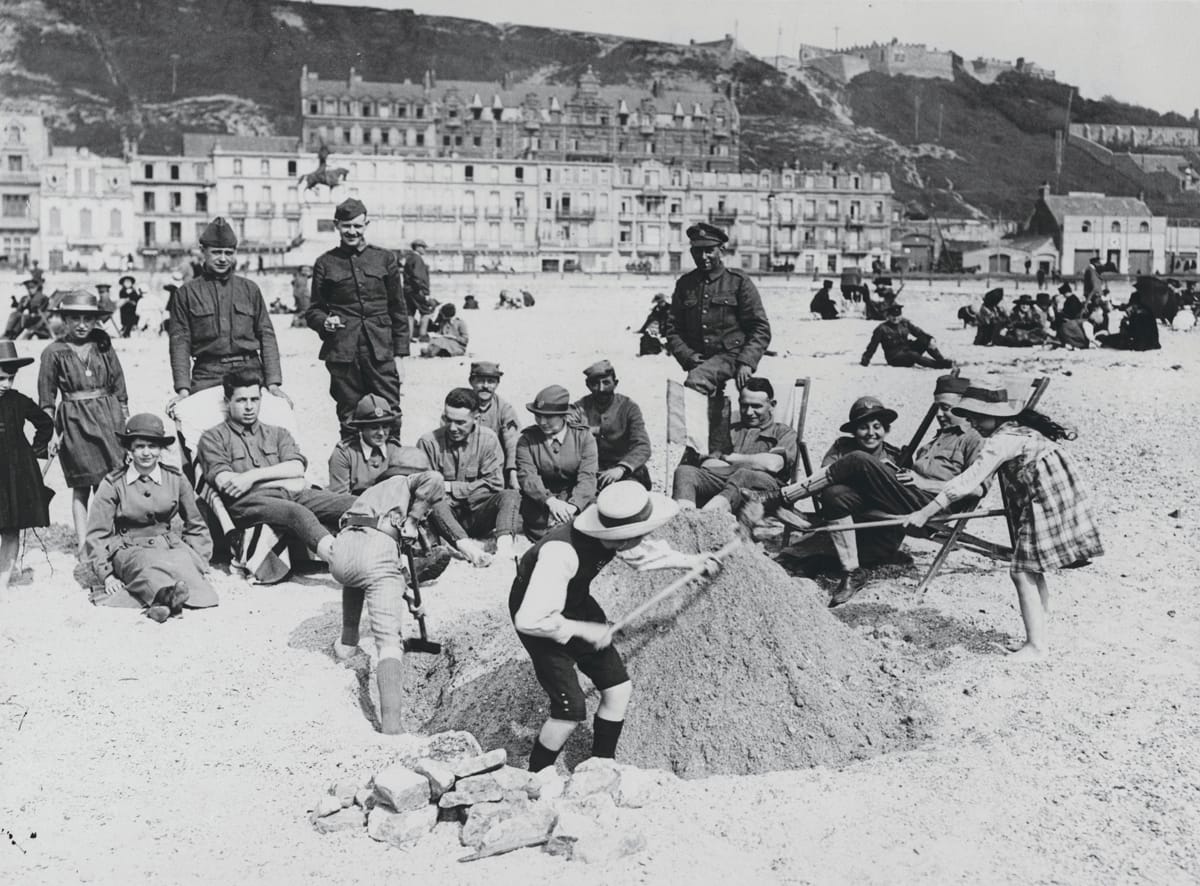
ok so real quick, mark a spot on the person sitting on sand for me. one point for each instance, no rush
(759, 463)
(1025, 327)
(562, 626)
(1073, 331)
(991, 319)
(557, 462)
(651, 332)
(450, 337)
(131, 552)
(860, 480)
(622, 443)
(904, 343)
(357, 464)
(822, 302)
(1138, 330)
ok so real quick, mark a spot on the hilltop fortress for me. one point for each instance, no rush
(909, 59)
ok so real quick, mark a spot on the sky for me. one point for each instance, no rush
(1138, 51)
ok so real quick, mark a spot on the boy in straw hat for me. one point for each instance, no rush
(562, 626)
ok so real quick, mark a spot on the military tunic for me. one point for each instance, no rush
(476, 501)
(568, 474)
(354, 470)
(701, 484)
(620, 432)
(221, 324)
(129, 535)
(416, 285)
(500, 418)
(716, 323)
(362, 288)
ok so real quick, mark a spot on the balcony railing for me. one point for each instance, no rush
(493, 212)
(574, 214)
(238, 207)
(717, 216)
(264, 210)
(291, 210)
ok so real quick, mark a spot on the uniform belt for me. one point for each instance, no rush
(228, 358)
(85, 395)
(366, 521)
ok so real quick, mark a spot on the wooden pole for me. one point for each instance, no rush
(681, 582)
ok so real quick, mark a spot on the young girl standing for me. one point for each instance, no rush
(83, 371)
(23, 498)
(1055, 526)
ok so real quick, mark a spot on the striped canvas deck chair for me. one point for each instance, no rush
(257, 551)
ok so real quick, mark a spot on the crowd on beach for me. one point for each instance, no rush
(560, 495)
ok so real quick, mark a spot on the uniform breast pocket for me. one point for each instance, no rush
(204, 323)
(243, 324)
(270, 455)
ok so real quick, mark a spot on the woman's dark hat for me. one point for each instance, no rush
(9, 361)
(79, 301)
(129, 277)
(865, 409)
(145, 426)
(1065, 289)
(553, 400)
(372, 411)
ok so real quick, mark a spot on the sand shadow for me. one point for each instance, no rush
(316, 634)
(925, 629)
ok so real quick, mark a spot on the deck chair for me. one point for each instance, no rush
(958, 533)
(795, 413)
(257, 550)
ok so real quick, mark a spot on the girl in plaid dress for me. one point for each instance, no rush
(1054, 523)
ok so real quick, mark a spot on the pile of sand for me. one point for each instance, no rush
(746, 673)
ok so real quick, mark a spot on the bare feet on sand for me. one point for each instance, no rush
(1027, 653)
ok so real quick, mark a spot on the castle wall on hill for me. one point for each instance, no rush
(909, 59)
(1121, 135)
(988, 70)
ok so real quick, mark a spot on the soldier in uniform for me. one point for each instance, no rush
(904, 343)
(497, 414)
(622, 444)
(416, 289)
(556, 463)
(355, 465)
(717, 329)
(358, 310)
(219, 322)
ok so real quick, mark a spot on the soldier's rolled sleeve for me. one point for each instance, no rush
(397, 306)
(754, 323)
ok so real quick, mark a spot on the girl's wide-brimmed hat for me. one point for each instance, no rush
(9, 361)
(865, 409)
(993, 402)
(145, 426)
(624, 510)
(554, 400)
(80, 301)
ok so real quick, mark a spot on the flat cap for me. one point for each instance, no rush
(419, 242)
(219, 234)
(486, 368)
(599, 369)
(349, 208)
(955, 385)
(704, 234)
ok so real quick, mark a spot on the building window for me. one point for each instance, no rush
(85, 222)
(420, 112)
(201, 171)
(201, 201)
(16, 206)
(237, 166)
(477, 141)
(55, 219)
(148, 233)
(831, 209)
(401, 110)
(1086, 227)
(176, 199)
(176, 232)
(14, 134)
(469, 173)
(1144, 228)
(1116, 227)
(174, 172)
(445, 141)
(115, 223)
(264, 167)
(385, 137)
(148, 171)
(345, 136)
(148, 201)
(291, 167)
(313, 108)
(16, 163)
(420, 139)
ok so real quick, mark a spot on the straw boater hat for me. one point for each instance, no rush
(553, 400)
(950, 389)
(993, 402)
(145, 426)
(79, 301)
(372, 411)
(624, 510)
(865, 409)
(9, 361)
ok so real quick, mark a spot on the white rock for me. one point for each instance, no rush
(327, 805)
(512, 779)
(597, 779)
(344, 790)
(399, 828)
(343, 820)
(402, 789)
(550, 784)
(364, 797)
(482, 816)
(480, 763)
(440, 775)
(472, 790)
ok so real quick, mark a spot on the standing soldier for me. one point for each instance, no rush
(219, 322)
(416, 289)
(358, 310)
(717, 329)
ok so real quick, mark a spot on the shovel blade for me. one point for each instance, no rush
(416, 644)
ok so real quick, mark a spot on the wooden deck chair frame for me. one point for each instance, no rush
(959, 530)
(803, 461)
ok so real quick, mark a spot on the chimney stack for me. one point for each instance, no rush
(1044, 190)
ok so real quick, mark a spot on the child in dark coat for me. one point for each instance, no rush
(23, 498)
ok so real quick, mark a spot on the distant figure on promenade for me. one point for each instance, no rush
(417, 297)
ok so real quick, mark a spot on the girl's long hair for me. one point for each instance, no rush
(1045, 425)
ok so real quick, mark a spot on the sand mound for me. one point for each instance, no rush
(749, 673)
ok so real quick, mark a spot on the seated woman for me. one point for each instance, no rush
(822, 303)
(448, 336)
(1025, 327)
(652, 341)
(991, 317)
(1073, 331)
(1139, 329)
(131, 556)
(557, 462)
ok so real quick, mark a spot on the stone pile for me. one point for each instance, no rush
(498, 808)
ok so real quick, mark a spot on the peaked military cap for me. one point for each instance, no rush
(486, 368)
(219, 234)
(349, 208)
(599, 369)
(704, 234)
